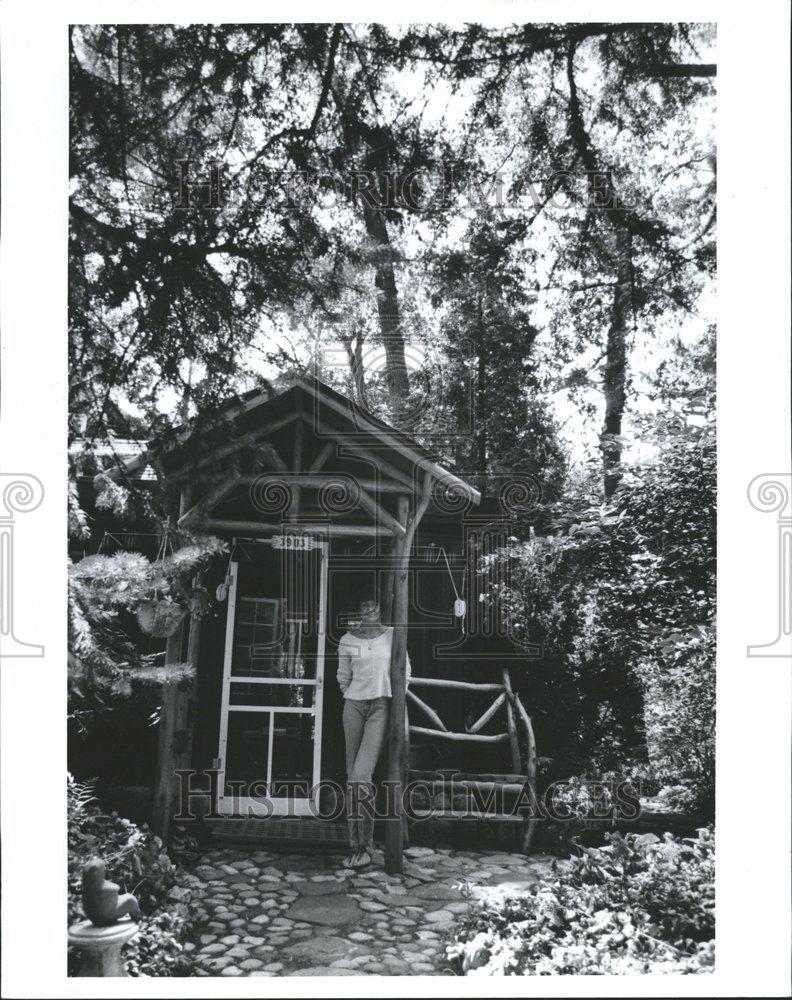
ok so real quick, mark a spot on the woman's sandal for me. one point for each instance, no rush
(361, 859)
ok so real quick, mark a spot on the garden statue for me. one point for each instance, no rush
(110, 924)
(101, 902)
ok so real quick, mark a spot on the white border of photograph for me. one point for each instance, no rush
(754, 694)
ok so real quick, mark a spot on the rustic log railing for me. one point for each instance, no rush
(427, 710)
(463, 737)
(523, 765)
(488, 714)
(454, 685)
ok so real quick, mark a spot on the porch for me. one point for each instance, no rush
(321, 505)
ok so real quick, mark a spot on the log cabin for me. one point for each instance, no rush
(320, 504)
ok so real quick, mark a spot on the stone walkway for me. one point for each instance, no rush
(268, 914)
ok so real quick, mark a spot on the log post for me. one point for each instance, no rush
(397, 744)
(530, 825)
(405, 823)
(177, 720)
(510, 722)
(389, 579)
(177, 717)
(394, 835)
(165, 780)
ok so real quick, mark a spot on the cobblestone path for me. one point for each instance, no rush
(269, 914)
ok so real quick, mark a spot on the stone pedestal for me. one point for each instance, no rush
(100, 947)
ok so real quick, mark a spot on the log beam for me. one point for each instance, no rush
(331, 530)
(241, 442)
(322, 457)
(316, 480)
(460, 737)
(480, 723)
(297, 481)
(378, 512)
(381, 464)
(441, 682)
(510, 722)
(428, 711)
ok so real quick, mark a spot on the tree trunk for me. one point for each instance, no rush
(615, 380)
(388, 309)
(481, 415)
(603, 200)
(353, 346)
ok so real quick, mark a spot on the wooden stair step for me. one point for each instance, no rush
(284, 831)
(439, 774)
(451, 787)
(471, 816)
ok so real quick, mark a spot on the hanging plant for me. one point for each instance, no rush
(160, 618)
(161, 615)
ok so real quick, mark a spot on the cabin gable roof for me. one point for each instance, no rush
(338, 433)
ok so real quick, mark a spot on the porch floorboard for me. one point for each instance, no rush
(294, 832)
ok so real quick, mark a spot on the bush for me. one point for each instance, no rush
(679, 681)
(581, 807)
(137, 861)
(620, 601)
(639, 905)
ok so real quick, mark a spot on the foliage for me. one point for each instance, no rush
(638, 905)
(293, 113)
(157, 950)
(343, 175)
(137, 862)
(621, 600)
(499, 426)
(107, 591)
(135, 858)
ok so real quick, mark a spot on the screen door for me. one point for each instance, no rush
(271, 715)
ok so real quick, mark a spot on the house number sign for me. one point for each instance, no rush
(294, 543)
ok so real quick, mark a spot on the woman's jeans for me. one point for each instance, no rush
(365, 728)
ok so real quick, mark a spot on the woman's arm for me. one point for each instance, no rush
(344, 674)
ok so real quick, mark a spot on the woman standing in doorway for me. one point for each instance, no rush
(364, 659)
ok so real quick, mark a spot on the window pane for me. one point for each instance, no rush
(265, 695)
(292, 756)
(257, 649)
(247, 753)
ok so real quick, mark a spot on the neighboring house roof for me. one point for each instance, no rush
(109, 453)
